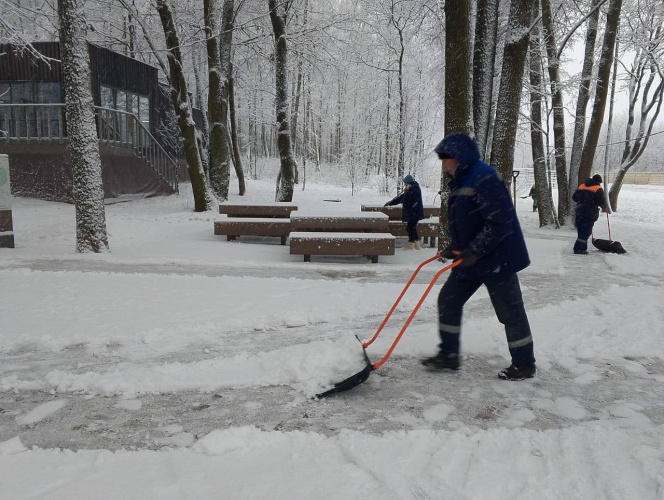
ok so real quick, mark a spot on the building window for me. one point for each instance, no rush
(123, 127)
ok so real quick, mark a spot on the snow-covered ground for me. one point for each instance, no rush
(181, 365)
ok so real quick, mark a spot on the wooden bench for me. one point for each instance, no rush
(394, 211)
(234, 227)
(426, 228)
(340, 221)
(276, 210)
(320, 243)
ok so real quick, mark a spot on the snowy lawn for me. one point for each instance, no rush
(180, 365)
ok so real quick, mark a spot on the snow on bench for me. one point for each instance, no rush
(338, 243)
(234, 227)
(339, 221)
(278, 210)
(394, 211)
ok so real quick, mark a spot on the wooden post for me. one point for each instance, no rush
(6, 225)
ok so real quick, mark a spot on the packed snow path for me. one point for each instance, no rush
(401, 395)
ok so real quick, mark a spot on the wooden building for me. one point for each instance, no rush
(139, 146)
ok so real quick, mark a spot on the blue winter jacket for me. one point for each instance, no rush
(411, 198)
(481, 214)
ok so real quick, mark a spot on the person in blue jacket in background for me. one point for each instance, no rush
(412, 210)
(487, 239)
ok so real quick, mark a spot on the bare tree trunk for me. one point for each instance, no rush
(609, 125)
(88, 189)
(643, 73)
(401, 138)
(486, 34)
(180, 99)
(235, 140)
(218, 50)
(545, 203)
(601, 89)
(285, 179)
(582, 101)
(458, 67)
(458, 90)
(558, 108)
(205, 133)
(511, 81)
(386, 151)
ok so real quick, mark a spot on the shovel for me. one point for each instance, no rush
(363, 375)
(608, 245)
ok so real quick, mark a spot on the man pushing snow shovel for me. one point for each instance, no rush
(589, 198)
(486, 235)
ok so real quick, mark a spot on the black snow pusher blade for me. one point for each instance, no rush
(362, 375)
(608, 245)
(353, 380)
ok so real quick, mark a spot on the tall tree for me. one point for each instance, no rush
(583, 97)
(235, 140)
(458, 89)
(458, 67)
(511, 84)
(558, 109)
(286, 177)
(180, 98)
(219, 153)
(645, 86)
(601, 89)
(545, 203)
(91, 235)
(484, 57)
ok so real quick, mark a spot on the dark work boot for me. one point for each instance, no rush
(442, 362)
(513, 372)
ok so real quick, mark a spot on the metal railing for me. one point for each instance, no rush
(124, 129)
(47, 123)
(28, 122)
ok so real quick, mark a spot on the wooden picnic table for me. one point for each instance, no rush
(373, 222)
(394, 211)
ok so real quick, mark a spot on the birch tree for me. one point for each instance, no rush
(88, 190)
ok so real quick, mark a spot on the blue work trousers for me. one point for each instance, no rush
(507, 301)
(411, 229)
(584, 229)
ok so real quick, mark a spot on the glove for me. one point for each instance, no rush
(448, 253)
(467, 258)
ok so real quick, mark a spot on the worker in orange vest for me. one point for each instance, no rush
(589, 198)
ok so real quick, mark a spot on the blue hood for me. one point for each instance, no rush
(459, 146)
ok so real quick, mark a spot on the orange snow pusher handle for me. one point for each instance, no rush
(380, 363)
(362, 375)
